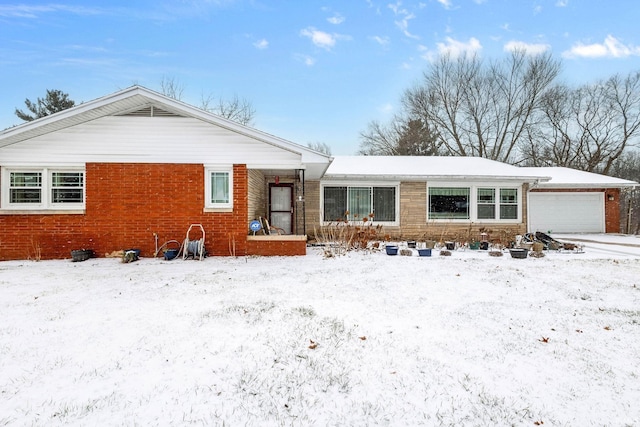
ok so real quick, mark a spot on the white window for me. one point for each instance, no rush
(476, 203)
(218, 188)
(377, 203)
(42, 189)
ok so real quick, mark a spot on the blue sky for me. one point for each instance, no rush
(315, 71)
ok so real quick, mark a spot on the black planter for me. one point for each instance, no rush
(81, 255)
(484, 246)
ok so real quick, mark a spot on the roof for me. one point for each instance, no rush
(562, 177)
(137, 97)
(420, 168)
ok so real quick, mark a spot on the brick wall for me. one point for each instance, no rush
(277, 247)
(125, 205)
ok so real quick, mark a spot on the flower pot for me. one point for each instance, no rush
(430, 244)
(81, 255)
(135, 251)
(411, 244)
(391, 250)
(474, 245)
(450, 245)
(170, 254)
(520, 253)
(424, 252)
(484, 246)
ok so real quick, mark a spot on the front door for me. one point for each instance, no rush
(281, 206)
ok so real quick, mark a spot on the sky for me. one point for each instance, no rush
(314, 71)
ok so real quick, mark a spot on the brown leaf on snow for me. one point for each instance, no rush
(538, 423)
(313, 344)
(608, 328)
(579, 331)
(363, 338)
(544, 339)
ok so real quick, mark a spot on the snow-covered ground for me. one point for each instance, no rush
(361, 339)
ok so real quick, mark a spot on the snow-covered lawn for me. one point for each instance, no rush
(362, 339)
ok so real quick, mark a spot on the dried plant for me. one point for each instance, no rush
(342, 236)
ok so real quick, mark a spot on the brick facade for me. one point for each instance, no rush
(126, 204)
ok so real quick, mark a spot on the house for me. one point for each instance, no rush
(460, 197)
(135, 166)
(135, 169)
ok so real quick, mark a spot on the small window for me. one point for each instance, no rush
(448, 203)
(486, 203)
(384, 204)
(335, 203)
(508, 203)
(25, 187)
(67, 187)
(218, 188)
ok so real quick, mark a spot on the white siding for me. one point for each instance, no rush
(147, 140)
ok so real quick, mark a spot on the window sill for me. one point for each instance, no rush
(42, 211)
(217, 210)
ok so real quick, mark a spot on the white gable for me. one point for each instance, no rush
(122, 127)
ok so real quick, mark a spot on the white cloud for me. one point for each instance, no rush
(261, 44)
(562, 3)
(25, 11)
(445, 3)
(530, 48)
(610, 48)
(457, 48)
(336, 19)
(319, 38)
(405, 16)
(307, 60)
(382, 41)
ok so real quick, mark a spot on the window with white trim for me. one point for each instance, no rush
(473, 203)
(376, 203)
(218, 188)
(42, 189)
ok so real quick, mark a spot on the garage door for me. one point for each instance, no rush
(566, 212)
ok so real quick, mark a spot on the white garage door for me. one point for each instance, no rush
(566, 212)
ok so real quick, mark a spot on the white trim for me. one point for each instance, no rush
(45, 205)
(208, 170)
(473, 201)
(394, 184)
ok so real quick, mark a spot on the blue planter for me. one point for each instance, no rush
(170, 254)
(424, 252)
(391, 250)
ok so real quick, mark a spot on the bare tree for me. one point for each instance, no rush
(589, 127)
(478, 109)
(240, 110)
(55, 101)
(171, 87)
(321, 147)
(401, 137)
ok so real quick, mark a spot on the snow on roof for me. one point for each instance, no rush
(564, 177)
(427, 167)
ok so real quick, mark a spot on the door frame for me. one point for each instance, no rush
(292, 209)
